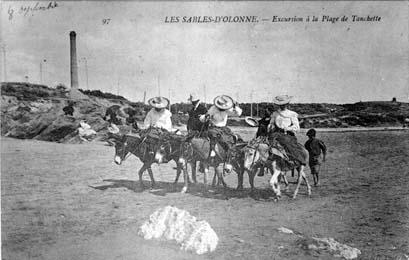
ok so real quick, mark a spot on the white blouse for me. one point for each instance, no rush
(219, 117)
(157, 119)
(285, 119)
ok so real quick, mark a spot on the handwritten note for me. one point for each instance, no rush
(30, 9)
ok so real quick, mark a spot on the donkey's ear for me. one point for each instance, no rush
(115, 137)
(241, 145)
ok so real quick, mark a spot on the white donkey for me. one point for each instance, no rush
(258, 154)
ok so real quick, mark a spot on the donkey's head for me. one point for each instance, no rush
(124, 144)
(255, 154)
(234, 158)
(162, 152)
(120, 144)
(168, 148)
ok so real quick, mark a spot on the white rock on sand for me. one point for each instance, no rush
(285, 230)
(338, 249)
(173, 223)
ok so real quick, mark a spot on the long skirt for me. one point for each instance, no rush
(223, 135)
(295, 151)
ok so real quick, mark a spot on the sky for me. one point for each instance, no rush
(137, 51)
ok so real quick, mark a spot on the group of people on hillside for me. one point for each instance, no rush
(281, 125)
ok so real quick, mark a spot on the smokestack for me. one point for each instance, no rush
(73, 61)
(74, 92)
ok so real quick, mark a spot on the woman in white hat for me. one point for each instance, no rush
(224, 106)
(284, 120)
(158, 116)
(283, 126)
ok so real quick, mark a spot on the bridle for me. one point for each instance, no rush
(125, 153)
(168, 144)
(255, 148)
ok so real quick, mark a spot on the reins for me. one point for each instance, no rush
(129, 152)
(255, 147)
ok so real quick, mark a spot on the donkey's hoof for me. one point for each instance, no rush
(183, 190)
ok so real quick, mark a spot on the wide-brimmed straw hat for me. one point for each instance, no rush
(223, 102)
(251, 121)
(193, 97)
(282, 99)
(158, 102)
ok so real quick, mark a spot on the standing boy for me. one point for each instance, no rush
(314, 147)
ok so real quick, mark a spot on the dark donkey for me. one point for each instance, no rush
(141, 147)
(196, 149)
(170, 149)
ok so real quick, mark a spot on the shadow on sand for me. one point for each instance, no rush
(198, 189)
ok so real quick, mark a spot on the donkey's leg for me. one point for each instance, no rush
(274, 183)
(218, 175)
(140, 173)
(193, 166)
(304, 176)
(240, 176)
(252, 175)
(205, 173)
(186, 178)
(285, 180)
(178, 171)
(153, 183)
(214, 176)
(220, 179)
(301, 175)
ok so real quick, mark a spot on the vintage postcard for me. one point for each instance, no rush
(204, 129)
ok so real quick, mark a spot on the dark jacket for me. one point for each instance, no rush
(263, 126)
(194, 124)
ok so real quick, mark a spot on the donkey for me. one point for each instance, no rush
(126, 145)
(257, 154)
(170, 148)
(196, 149)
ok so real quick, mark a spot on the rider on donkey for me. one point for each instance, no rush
(198, 109)
(283, 126)
(284, 120)
(158, 116)
(217, 115)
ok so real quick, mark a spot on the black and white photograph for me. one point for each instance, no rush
(204, 130)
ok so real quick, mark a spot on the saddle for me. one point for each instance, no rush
(276, 151)
(153, 134)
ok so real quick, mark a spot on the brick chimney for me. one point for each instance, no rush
(73, 60)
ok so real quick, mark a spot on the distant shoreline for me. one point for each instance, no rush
(323, 130)
(346, 129)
